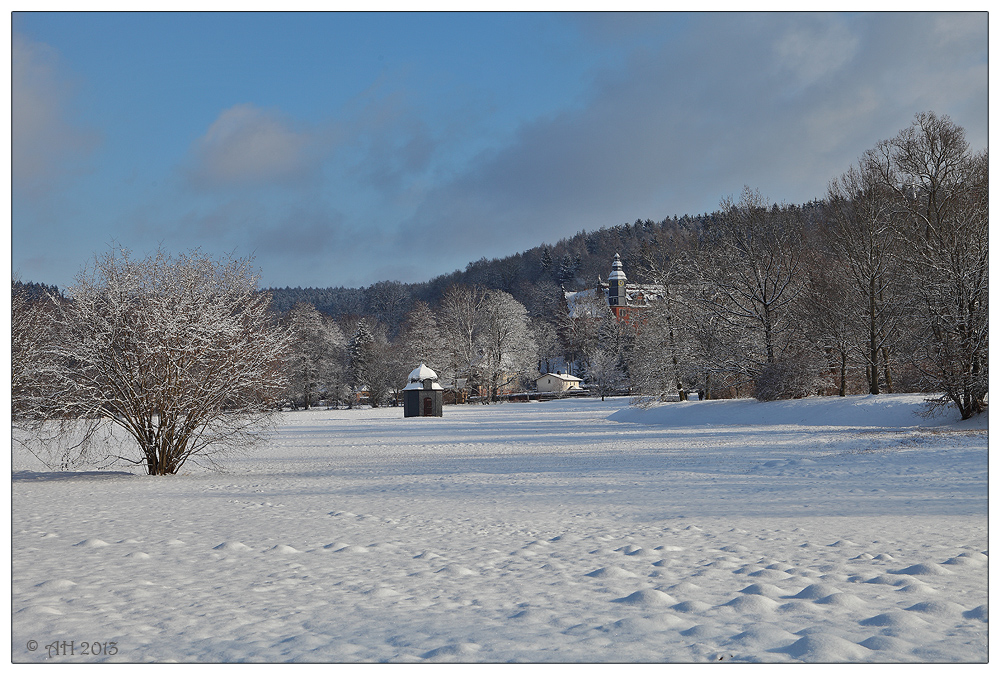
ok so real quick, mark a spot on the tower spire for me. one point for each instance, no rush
(616, 285)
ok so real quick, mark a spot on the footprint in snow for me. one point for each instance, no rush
(915, 585)
(352, 549)
(770, 574)
(887, 643)
(284, 549)
(767, 590)
(885, 580)
(452, 652)
(926, 569)
(533, 615)
(701, 631)
(735, 548)
(691, 607)
(843, 600)
(642, 626)
(39, 609)
(647, 598)
(611, 572)
(751, 604)
(822, 648)
(231, 546)
(629, 549)
(965, 561)
(684, 587)
(456, 571)
(895, 619)
(382, 593)
(761, 636)
(982, 613)
(815, 592)
(938, 608)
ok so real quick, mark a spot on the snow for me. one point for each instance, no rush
(819, 530)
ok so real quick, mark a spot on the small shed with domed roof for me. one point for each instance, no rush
(423, 396)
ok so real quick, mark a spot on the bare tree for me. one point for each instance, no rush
(35, 373)
(546, 338)
(460, 317)
(314, 361)
(387, 370)
(755, 268)
(662, 359)
(579, 328)
(604, 374)
(942, 188)
(507, 350)
(830, 318)
(181, 353)
(866, 239)
(31, 356)
(420, 339)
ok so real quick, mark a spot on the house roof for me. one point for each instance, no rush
(417, 377)
(565, 378)
(421, 373)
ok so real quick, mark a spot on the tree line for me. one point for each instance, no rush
(882, 286)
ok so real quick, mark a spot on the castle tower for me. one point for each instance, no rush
(616, 287)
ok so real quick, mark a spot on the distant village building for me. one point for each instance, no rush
(557, 382)
(423, 396)
(626, 302)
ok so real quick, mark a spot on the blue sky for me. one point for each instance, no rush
(348, 148)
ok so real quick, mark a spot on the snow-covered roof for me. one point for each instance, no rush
(565, 378)
(592, 301)
(421, 373)
(417, 377)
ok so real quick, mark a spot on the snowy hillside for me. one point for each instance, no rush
(819, 530)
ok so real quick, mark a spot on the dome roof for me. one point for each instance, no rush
(421, 373)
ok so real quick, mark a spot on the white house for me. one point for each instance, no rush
(556, 382)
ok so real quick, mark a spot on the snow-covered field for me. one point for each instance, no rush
(820, 530)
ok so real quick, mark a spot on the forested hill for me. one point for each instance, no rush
(535, 277)
(32, 291)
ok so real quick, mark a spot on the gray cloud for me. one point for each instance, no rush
(247, 146)
(47, 146)
(780, 102)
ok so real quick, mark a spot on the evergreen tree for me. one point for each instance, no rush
(361, 356)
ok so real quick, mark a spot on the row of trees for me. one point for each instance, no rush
(477, 339)
(890, 281)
